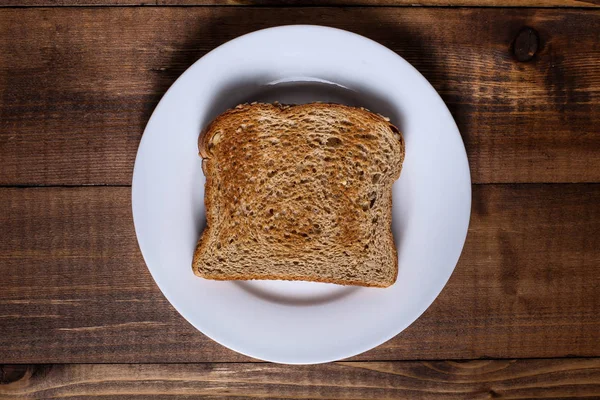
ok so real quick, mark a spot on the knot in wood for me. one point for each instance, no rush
(12, 373)
(526, 44)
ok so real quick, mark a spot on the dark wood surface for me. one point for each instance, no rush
(507, 379)
(534, 121)
(476, 3)
(74, 286)
(520, 316)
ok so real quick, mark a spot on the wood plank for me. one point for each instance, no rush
(77, 85)
(467, 3)
(75, 289)
(510, 379)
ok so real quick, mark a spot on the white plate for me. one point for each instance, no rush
(299, 322)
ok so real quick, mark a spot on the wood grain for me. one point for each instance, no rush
(468, 3)
(507, 379)
(77, 85)
(75, 289)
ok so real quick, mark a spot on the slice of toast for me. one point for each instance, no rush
(299, 193)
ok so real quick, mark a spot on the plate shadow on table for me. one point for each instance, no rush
(231, 22)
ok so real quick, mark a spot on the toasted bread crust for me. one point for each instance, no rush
(223, 125)
(295, 278)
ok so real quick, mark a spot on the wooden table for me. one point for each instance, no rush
(81, 316)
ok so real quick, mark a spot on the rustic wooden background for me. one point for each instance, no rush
(80, 315)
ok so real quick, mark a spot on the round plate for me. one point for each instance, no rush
(301, 322)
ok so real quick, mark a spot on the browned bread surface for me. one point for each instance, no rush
(299, 193)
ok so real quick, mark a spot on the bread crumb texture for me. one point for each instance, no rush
(299, 193)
